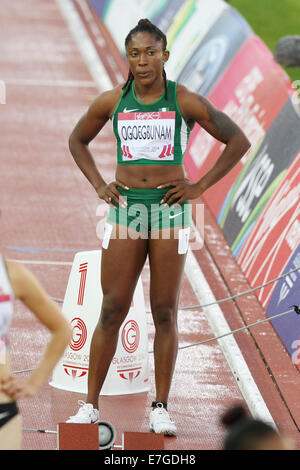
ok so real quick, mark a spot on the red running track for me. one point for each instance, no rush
(49, 214)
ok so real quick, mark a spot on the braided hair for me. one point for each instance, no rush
(145, 26)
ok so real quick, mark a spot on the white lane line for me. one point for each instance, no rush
(85, 45)
(54, 263)
(230, 349)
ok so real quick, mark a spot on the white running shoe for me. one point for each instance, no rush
(160, 421)
(86, 414)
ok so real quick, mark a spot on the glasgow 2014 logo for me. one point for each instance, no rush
(130, 336)
(79, 334)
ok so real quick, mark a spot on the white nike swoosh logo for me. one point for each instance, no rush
(4, 415)
(125, 110)
(175, 215)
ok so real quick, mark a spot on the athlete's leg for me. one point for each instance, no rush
(11, 434)
(166, 271)
(122, 263)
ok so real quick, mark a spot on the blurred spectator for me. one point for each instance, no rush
(287, 51)
(247, 433)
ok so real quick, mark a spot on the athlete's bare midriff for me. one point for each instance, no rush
(148, 176)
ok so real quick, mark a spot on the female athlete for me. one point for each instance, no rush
(149, 213)
(16, 282)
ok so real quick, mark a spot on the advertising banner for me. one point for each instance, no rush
(246, 93)
(271, 250)
(165, 17)
(285, 295)
(128, 372)
(275, 235)
(215, 52)
(190, 25)
(259, 178)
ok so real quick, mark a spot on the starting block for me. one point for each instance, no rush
(72, 436)
(142, 441)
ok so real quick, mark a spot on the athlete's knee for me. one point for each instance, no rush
(164, 316)
(112, 314)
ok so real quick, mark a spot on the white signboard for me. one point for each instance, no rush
(128, 372)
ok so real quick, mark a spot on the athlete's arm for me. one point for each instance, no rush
(27, 288)
(196, 108)
(199, 109)
(87, 128)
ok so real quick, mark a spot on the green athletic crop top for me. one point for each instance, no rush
(150, 134)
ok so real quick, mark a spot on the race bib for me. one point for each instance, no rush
(147, 135)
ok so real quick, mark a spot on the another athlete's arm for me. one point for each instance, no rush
(84, 132)
(31, 293)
